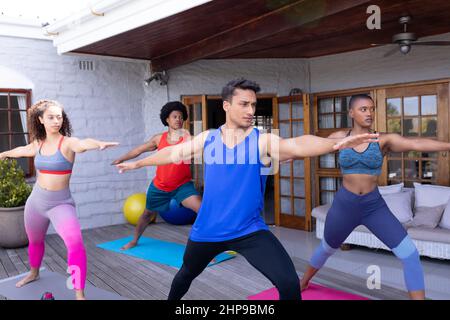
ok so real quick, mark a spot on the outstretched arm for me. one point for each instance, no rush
(394, 142)
(19, 152)
(311, 146)
(80, 146)
(172, 154)
(150, 145)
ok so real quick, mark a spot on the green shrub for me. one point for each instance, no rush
(14, 190)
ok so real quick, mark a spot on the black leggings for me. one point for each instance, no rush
(261, 249)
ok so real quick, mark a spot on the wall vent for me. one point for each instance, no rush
(86, 65)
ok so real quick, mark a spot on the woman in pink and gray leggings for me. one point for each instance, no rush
(50, 201)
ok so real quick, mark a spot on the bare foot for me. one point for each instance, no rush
(79, 295)
(32, 276)
(417, 295)
(129, 245)
(304, 285)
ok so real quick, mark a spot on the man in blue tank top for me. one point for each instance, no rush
(236, 161)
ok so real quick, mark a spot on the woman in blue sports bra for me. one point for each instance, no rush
(50, 201)
(358, 201)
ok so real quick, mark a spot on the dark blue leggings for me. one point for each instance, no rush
(350, 210)
(261, 249)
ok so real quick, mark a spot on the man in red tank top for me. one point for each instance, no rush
(172, 181)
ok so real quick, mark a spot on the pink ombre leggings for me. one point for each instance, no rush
(58, 207)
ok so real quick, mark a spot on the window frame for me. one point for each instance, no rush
(10, 133)
(333, 173)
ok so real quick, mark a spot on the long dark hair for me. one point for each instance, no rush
(37, 129)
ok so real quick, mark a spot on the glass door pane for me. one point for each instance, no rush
(412, 115)
(294, 210)
(195, 126)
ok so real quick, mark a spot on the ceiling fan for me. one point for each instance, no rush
(405, 39)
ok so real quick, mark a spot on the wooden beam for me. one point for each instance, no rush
(285, 18)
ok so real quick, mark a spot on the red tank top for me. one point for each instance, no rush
(171, 176)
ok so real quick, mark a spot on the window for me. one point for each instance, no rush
(331, 114)
(328, 187)
(13, 123)
(412, 116)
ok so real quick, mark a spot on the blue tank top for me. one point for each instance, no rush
(233, 197)
(369, 161)
(53, 164)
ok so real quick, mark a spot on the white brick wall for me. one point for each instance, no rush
(106, 104)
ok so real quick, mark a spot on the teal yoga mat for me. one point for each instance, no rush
(155, 250)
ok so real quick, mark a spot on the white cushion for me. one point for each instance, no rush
(430, 195)
(427, 217)
(321, 212)
(400, 205)
(445, 221)
(393, 188)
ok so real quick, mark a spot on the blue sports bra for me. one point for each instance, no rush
(54, 164)
(367, 162)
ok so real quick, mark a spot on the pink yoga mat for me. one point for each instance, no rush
(313, 292)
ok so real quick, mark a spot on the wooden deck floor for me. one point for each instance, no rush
(140, 279)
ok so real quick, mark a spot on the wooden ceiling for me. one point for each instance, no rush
(232, 29)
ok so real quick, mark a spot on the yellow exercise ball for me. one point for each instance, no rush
(134, 207)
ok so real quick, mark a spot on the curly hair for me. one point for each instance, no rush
(37, 129)
(167, 109)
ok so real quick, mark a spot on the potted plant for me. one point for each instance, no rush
(14, 192)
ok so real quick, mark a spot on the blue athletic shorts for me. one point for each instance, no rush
(159, 200)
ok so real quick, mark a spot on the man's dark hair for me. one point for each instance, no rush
(167, 109)
(241, 83)
(357, 97)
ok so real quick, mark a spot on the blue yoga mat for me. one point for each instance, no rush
(155, 250)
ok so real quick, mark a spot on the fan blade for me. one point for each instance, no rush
(431, 43)
(390, 52)
(380, 44)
